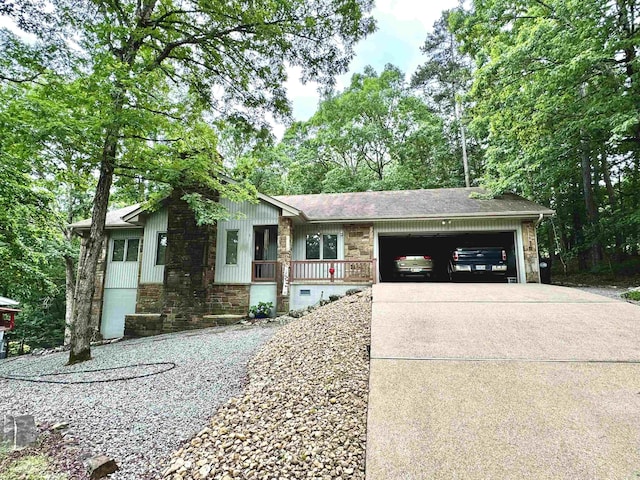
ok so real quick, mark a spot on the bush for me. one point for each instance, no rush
(262, 310)
(353, 291)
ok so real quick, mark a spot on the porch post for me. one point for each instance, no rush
(283, 269)
(530, 247)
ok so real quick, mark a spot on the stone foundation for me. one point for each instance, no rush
(143, 325)
(150, 298)
(148, 324)
(229, 299)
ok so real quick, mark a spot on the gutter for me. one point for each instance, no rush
(508, 215)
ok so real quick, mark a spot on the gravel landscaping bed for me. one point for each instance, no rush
(139, 421)
(303, 413)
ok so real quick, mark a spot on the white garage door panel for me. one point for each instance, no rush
(118, 302)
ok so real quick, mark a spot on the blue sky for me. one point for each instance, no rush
(402, 28)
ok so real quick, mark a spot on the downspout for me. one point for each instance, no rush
(540, 218)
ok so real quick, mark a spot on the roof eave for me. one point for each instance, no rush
(439, 216)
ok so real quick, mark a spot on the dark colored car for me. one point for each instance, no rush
(478, 260)
(413, 265)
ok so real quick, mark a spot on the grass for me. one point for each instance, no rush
(632, 295)
(28, 464)
(589, 279)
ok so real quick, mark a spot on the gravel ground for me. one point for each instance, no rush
(137, 422)
(303, 413)
(611, 292)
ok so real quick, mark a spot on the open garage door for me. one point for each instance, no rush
(439, 248)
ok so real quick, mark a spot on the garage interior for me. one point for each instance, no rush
(439, 247)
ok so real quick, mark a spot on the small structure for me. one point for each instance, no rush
(7, 322)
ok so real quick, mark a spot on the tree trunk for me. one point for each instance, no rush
(591, 207)
(81, 331)
(70, 282)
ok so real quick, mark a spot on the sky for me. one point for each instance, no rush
(402, 28)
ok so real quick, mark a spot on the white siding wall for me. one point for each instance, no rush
(121, 274)
(156, 223)
(253, 214)
(300, 233)
(442, 226)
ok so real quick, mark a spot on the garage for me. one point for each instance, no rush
(439, 247)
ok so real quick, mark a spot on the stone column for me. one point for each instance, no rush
(530, 247)
(283, 273)
(358, 241)
(186, 269)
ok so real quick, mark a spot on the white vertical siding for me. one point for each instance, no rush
(121, 274)
(156, 223)
(300, 233)
(447, 226)
(250, 215)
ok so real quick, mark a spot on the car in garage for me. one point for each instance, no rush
(408, 265)
(478, 260)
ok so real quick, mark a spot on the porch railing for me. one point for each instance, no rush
(333, 270)
(263, 271)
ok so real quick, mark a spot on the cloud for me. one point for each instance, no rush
(402, 28)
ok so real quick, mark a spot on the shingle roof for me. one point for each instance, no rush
(114, 219)
(435, 203)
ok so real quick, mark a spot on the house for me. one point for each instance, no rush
(160, 272)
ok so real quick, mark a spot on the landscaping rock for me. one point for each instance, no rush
(100, 466)
(18, 431)
(303, 413)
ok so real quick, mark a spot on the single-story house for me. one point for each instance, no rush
(160, 272)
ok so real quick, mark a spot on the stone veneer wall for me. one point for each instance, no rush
(283, 275)
(150, 298)
(530, 244)
(229, 299)
(358, 242)
(187, 267)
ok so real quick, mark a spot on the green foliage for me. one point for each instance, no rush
(555, 96)
(632, 295)
(261, 310)
(374, 135)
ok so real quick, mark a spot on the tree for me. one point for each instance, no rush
(374, 135)
(556, 94)
(150, 70)
(445, 80)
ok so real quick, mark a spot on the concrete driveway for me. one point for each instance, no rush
(502, 381)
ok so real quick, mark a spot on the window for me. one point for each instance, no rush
(232, 247)
(161, 248)
(125, 250)
(118, 251)
(133, 245)
(322, 247)
(330, 247)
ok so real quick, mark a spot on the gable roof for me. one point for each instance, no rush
(411, 204)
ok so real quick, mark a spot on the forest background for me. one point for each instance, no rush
(541, 98)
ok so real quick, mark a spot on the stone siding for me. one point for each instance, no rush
(186, 268)
(143, 325)
(150, 298)
(358, 242)
(530, 245)
(283, 275)
(229, 299)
